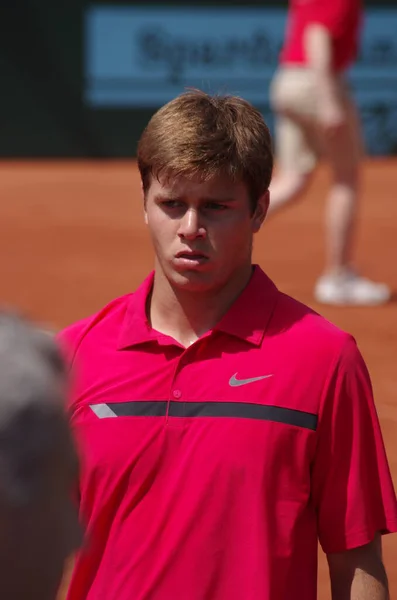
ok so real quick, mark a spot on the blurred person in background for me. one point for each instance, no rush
(39, 527)
(316, 116)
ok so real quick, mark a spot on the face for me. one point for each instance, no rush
(40, 536)
(202, 232)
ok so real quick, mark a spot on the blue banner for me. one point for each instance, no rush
(142, 57)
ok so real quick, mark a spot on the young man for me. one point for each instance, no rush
(224, 427)
(316, 114)
(39, 526)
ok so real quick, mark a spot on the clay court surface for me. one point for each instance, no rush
(72, 238)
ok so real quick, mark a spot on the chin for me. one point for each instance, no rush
(192, 281)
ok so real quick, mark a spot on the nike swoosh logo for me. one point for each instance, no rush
(234, 382)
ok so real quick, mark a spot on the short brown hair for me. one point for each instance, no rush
(199, 135)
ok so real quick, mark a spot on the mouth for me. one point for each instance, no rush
(191, 258)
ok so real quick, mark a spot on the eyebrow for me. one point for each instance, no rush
(182, 198)
(223, 199)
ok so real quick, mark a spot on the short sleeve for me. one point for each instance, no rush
(352, 487)
(68, 341)
(334, 15)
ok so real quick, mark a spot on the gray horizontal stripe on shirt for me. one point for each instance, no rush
(236, 410)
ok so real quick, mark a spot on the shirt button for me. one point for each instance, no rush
(177, 393)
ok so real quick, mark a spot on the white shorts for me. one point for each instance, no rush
(298, 140)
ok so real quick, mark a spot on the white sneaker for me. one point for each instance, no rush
(348, 288)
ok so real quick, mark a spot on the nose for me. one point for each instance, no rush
(190, 226)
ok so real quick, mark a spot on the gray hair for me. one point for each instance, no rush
(32, 390)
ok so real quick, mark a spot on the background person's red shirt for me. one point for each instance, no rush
(343, 20)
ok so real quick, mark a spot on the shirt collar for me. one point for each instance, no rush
(136, 328)
(247, 318)
(251, 312)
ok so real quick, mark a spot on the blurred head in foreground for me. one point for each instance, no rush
(38, 523)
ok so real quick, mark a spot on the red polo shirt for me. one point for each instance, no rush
(209, 473)
(342, 18)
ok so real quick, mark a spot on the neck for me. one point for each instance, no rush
(187, 315)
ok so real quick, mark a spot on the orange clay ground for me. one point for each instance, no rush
(72, 238)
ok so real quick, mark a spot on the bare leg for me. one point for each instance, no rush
(340, 284)
(296, 160)
(341, 212)
(286, 187)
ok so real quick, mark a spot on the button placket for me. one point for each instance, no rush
(176, 393)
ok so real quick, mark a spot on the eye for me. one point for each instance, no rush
(215, 206)
(171, 204)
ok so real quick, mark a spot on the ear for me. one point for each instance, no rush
(143, 196)
(260, 211)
